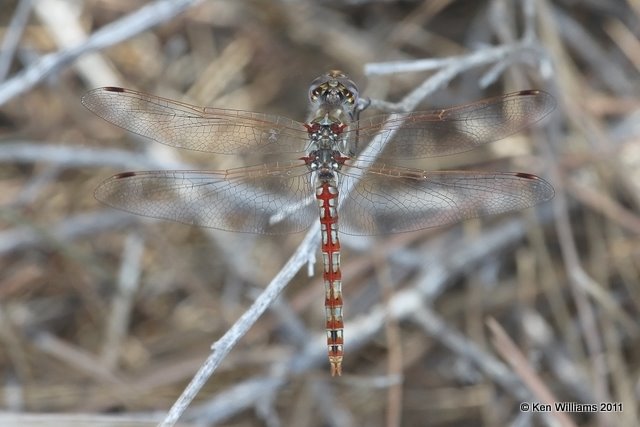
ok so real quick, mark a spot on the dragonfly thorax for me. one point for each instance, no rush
(325, 133)
(325, 163)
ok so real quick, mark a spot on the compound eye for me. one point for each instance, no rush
(348, 96)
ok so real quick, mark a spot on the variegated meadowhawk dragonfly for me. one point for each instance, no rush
(278, 197)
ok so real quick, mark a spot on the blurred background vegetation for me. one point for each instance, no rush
(102, 312)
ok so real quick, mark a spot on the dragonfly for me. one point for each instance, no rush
(321, 168)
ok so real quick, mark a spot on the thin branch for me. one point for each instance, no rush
(73, 228)
(70, 156)
(521, 365)
(449, 69)
(12, 36)
(122, 303)
(109, 35)
(437, 328)
(224, 345)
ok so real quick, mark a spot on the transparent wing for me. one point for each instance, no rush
(267, 199)
(451, 130)
(399, 200)
(196, 128)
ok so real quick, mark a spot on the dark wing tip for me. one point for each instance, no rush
(105, 190)
(92, 97)
(124, 175)
(544, 99)
(527, 175)
(530, 92)
(546, 192)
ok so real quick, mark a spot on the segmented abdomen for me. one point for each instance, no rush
(327, 195)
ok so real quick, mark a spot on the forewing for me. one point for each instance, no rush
(452, 130)
(196, 128)
(388, 201)
(269, 199)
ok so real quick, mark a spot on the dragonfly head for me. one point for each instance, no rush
(334, 89)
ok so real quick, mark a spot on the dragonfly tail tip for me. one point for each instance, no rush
(336, 367)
